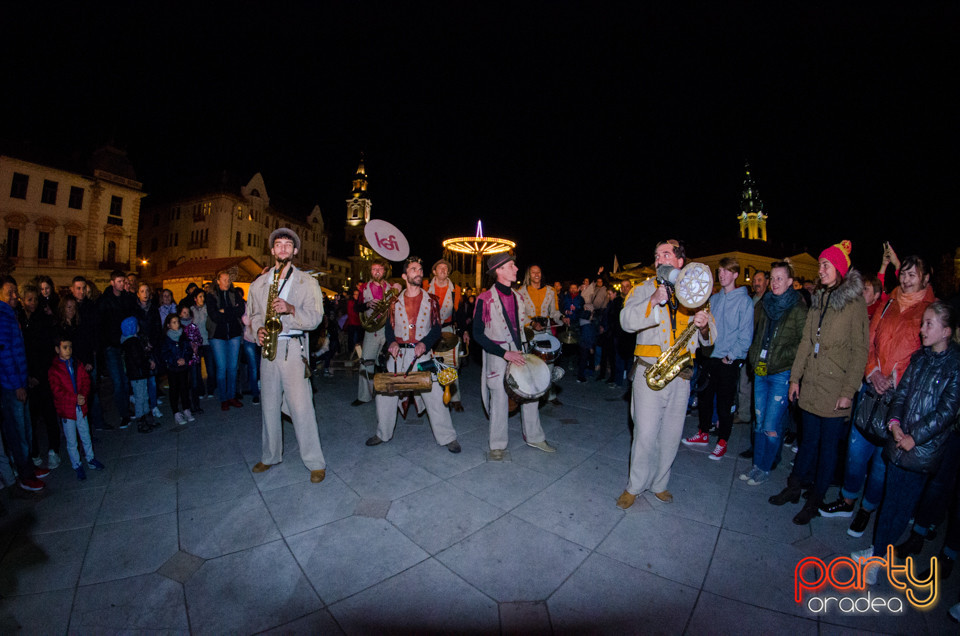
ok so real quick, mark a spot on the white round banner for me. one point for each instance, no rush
(386, 240)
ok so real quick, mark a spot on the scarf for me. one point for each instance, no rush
(174, 334)
(776, 306)
(907, 300)
(186, 322)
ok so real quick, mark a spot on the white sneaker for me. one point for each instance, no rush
(187, 414)
(873, 573)
(37, 461)
(53, 460)
(156, 412)
(954, 613)
(865, 553)
(179, 419)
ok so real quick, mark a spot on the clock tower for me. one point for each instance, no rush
(753, 221)
(358, 214)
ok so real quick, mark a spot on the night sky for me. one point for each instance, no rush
(580, 131)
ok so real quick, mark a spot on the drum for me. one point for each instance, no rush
(447, 350)
(389, 383)
(546, 347)
(529, 382)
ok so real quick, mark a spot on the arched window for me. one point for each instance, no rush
(111, 252)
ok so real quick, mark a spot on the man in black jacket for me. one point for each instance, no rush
(115, 304)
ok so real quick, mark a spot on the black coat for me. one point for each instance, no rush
(926, 403)
(227, 322)
(135, 358)
(111, 311)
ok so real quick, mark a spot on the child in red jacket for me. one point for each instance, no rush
(70, 384)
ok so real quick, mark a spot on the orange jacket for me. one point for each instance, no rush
(895, 336)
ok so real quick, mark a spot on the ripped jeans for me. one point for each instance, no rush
(770, 404)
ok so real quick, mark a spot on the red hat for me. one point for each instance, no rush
(839, 256)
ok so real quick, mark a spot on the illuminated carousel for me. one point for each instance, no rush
(478, 246)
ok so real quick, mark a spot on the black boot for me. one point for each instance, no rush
(791, 493)
(945, 564)
(810, 510)
(913, 545)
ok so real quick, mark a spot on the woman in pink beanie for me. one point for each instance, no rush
(826, 375)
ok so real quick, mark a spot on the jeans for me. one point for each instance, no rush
(7, 478)
(141, 399)
(151, 391)
(206, 354)
(72, 428)
(770, 407)
(900, 496)
(113, 359)
(939, 491)
(817, 459)
(588, 339)
(864, 463)
(226, 354)
(251, 353)
(17, 431)
(721, 384)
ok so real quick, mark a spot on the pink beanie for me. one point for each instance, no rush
(839, 256)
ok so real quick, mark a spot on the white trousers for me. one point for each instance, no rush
(498, 407)
(437, 411)
(372, 344)
(657, 428)
(282, 383)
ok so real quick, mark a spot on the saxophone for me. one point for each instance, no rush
(672, 361)
(380, 311)
(271, 321)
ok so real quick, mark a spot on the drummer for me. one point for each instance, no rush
(449, 295)
(497, 321)
(542, 308)
(412, 330)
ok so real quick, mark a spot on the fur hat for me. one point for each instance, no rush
(284, 232)
(839, 256)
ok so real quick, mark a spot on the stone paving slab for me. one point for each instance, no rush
(177, 535)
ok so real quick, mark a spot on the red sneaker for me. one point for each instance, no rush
(699, 440)
(31, 484)
(41, 472)
(235, 403)
(225, 406)
(719, 451)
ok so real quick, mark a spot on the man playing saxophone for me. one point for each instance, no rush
(298, 303)
(371, 295)
(658, 320)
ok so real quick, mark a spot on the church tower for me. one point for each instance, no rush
(753, 222)
(358, 208)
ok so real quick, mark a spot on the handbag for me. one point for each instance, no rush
(871, 415)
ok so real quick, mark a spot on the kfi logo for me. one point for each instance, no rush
(387, 243)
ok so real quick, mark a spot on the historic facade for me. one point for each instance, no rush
(222, 221)
(358, 215)
(64, 220)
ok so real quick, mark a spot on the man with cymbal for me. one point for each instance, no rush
(498, 328)
(370, 294)
(653, 313)
(542, 307)
(448, 295)
(412, 330)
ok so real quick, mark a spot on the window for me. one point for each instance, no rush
(116, 208)
(249, 240)
(111, 252)
(43, 245)
(71, 247)
(76, 198)
(13, 242)
(238, 243)
(153, 244)
(176, 239)
(18, 188)
(49, 193)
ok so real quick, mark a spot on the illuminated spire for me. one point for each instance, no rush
(753, 220)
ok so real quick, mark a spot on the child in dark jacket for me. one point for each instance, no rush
(176, 351)
(70, 385)
(140, 368)
(192, 333)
